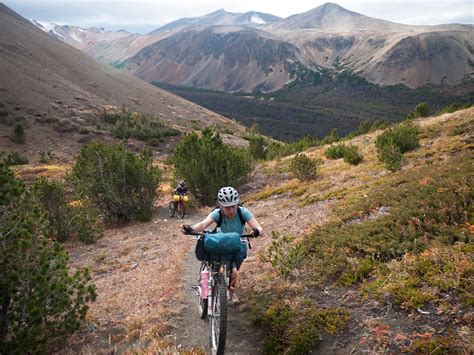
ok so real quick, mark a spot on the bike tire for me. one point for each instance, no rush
(181, 210)
(172, 208)
(218, 319)
(203, 303)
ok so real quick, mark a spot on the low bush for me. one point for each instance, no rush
(207, 164)
(392, 143)
(335, 151)
(41, 302)
(295, 327)
(304, 167)
(142, 127)
(19, 136)
(421, 110)
(44, 157)
(15, 158)
(122, 185)
(391, 156)
(282, 255)
(352, 155)
(66, 220)
(452, 108)
(257, 147)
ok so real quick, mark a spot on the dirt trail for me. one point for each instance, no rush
(190, 331)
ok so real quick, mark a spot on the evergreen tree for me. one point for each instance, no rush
(120, 183)
(19, 134)
(207, 164)
(39, 300)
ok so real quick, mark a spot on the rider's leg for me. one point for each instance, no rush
(233, 284)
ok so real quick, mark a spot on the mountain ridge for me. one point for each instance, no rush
(327, 37)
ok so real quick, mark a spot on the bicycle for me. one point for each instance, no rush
(212, 292)
(177, 206)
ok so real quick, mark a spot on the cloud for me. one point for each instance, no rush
(146, 15)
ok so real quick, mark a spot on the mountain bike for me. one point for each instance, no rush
(212, 293)
(177, 207)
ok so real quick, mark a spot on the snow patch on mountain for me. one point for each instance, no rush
(257, 19)
(75, 37)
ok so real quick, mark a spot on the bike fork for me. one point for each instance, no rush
(210, 295)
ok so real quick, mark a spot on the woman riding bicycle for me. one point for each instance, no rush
(229, 217)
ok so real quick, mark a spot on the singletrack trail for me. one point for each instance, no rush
(190, 331)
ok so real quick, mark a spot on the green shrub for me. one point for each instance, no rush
(87, 226)
(15, 158)
(277, 150)
(120, 184)
(257, 148)
(282, 255)
(19, 134)
(304, 167)
(392, 143)
(452, 108)
(296, 327)
(332, 137)
(335, 151)
(352, 155)
(66, 220)
(146, 128)
(368, 126)
(207, 164)
(44, 157)
(421, 110)
(40, 301)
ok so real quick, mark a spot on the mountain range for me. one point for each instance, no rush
(260, 52)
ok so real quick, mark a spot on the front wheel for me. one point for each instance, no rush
(181, 210)
(172, 208)
(218, 318)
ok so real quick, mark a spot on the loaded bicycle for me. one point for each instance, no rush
(177, 205)
(216, 252)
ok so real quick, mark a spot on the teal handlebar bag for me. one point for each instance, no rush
(222, 243)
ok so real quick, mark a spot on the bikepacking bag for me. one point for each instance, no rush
(218, 246)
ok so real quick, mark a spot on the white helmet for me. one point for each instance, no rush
(228, 196)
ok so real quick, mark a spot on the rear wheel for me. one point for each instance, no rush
(218, 318)
(172, 208)
(181, 210)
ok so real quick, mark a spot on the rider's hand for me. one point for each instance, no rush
(186, 228)
(255, 232)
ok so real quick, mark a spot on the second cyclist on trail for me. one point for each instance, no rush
(229, 217)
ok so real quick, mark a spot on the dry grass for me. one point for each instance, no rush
(137, 271)
(48, 171)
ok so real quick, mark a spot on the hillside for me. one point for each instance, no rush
(58, 94)
(294, 283)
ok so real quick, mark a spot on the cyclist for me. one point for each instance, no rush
(182, 189)
(229, 217)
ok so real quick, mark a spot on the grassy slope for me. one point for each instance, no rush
(399, 240)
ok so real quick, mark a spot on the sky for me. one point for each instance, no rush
(143, 16)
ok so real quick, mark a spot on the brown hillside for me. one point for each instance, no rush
(41, 77)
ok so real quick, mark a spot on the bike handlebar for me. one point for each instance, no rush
(248, 235)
